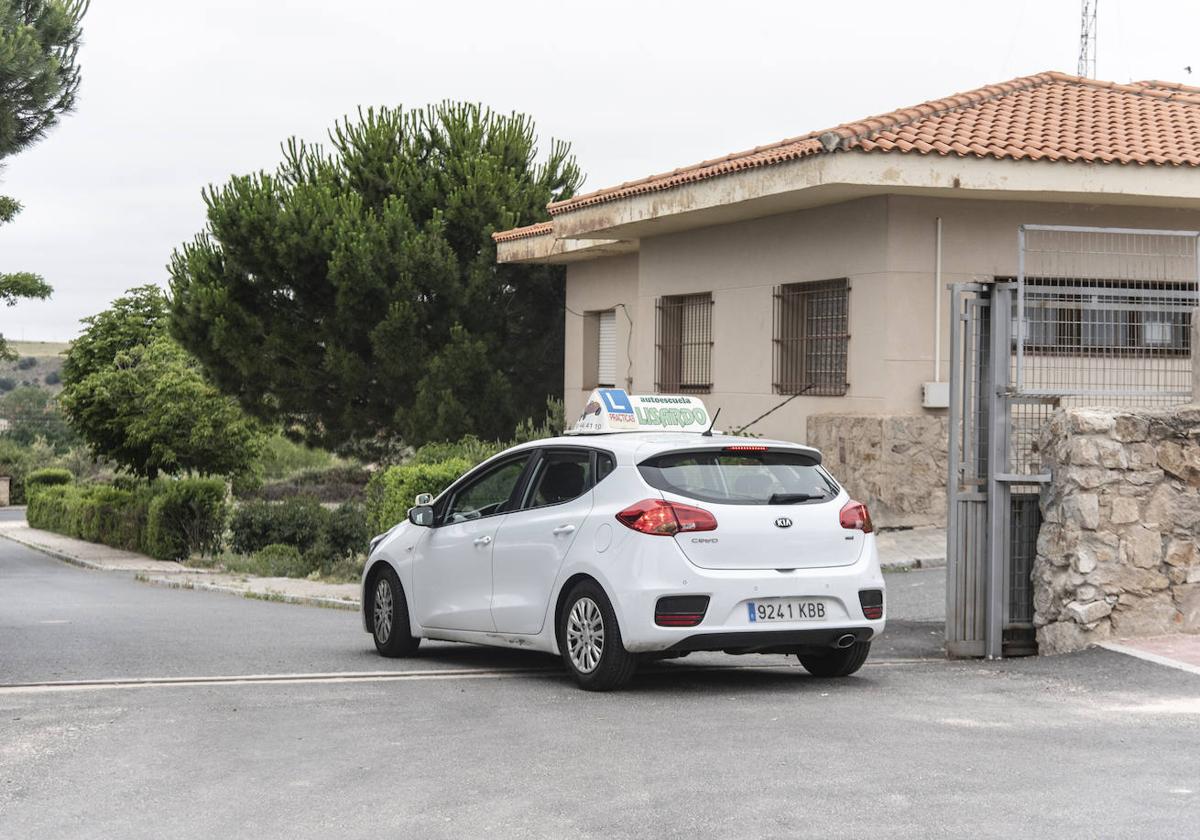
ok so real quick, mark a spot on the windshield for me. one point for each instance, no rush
(740, 478)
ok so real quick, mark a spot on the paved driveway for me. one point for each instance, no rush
(465, 742)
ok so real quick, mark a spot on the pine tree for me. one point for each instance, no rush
(354, 297)
(39, 78)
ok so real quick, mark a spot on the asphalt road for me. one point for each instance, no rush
(464, 742)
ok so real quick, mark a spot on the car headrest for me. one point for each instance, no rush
(564, 480)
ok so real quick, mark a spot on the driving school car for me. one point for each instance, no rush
(639, 534)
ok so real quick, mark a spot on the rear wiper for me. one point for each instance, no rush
(793, 498)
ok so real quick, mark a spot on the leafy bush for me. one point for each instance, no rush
(169, 520)
(298, 522)
(469, 448)
(7, 383)
(48, 477)
(303, 524)
(26, 363)
(186, 516)
(98, 513)
(392, 491)
(53, 378)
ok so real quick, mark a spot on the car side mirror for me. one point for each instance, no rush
(424, 499)
(421, 515)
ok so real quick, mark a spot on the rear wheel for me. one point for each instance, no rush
(836, 663)
(590, 640)
(389, 617)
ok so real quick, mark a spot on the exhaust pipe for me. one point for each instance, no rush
(845, 641)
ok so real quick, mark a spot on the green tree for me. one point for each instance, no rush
(39, 77)
(353, 297)
(33, 412)
(138, 398)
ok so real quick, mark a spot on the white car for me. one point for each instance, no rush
(613, 546)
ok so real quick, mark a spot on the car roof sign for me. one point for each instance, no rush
(613, 410)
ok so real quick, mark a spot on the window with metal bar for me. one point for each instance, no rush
(812, 338)
(683, 339)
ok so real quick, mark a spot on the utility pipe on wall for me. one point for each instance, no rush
(937, 306)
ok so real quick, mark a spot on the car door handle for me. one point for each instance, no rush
(563, 529)
(483, 541)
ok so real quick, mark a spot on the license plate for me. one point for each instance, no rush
(786, 609)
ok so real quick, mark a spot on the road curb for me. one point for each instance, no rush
(58, 555)
(911, 563)
(281, 597)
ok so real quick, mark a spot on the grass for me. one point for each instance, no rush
(40, 348)
(347, 570)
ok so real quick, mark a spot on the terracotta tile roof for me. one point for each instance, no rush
(1049, 116)
(537, 229)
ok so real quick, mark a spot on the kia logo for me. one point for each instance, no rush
(783, 522)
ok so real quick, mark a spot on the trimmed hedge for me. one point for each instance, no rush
(186, 517)
(49, 477)
(321, 535)
(169, 520)
(392, 491)
(296, 522)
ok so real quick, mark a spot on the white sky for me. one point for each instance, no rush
(178, 95)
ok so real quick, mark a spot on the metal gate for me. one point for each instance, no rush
(1095, 316)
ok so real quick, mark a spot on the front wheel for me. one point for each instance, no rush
(590, 640)
(836, 663)
(389, 617)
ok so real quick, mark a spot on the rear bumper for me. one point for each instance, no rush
(661, 569)
(773, 641)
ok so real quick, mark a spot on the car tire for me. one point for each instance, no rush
(838, 663)
(389, 617)
(590, 640)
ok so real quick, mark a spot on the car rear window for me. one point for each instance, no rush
(740, 478)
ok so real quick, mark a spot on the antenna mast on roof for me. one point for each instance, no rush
(1087, 39)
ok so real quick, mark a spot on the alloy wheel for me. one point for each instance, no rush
(585, 635)
(383, 610)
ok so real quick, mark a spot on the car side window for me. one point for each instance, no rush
(604, 466)
(560, 476)
(486, 495)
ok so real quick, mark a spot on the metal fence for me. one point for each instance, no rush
(1095, 316)
(1104, 315)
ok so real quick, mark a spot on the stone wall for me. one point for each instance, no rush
(895, 464)
(1117, 555)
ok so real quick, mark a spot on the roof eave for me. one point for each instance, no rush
(552, 249)
(834, 178)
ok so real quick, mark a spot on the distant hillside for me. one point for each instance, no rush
(38, 363)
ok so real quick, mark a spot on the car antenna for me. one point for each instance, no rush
(708, 432)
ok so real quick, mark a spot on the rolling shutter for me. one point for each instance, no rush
(606, 367)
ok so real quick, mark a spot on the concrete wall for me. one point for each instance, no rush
(884, 245)
(1118, 554)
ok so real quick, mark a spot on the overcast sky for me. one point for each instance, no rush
(178, 95)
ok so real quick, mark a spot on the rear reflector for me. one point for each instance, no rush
(680, 610)
(666, 519)
(855, 517)
(872, 603)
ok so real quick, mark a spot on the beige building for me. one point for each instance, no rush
(801, 287)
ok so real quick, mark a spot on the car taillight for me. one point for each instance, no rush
(872, 603)
(745, 448)
(666, 519)
(855, 517)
